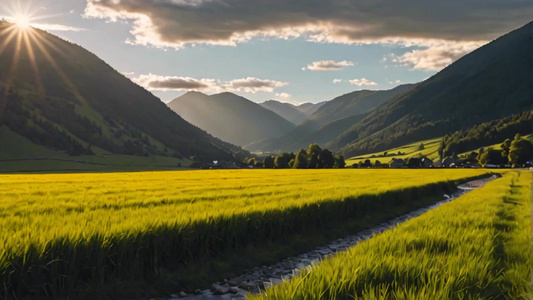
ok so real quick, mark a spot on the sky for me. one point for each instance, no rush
(293, 51)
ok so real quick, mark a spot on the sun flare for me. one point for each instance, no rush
(22, 22)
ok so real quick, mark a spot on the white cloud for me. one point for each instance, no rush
(328, 65)
(128, 74)
(56, 27)
(283, 95)
(362, 82)
(435, 56)
(335, 81)
(174, 83)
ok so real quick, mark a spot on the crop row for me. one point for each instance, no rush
(476, 247)
(68, 232)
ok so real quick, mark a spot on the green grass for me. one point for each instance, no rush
(21, 155)
(64, 233)
(430, 150)
(495, 146)
(476, 247)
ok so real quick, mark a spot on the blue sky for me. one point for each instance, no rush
(274, 49)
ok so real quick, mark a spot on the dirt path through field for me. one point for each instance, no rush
(260, 278)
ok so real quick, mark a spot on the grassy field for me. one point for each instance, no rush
(430, 150)
(63, 231)
(476, 247)
(21, 155)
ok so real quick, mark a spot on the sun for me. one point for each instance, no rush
(22, 22)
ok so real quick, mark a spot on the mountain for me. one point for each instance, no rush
(230, 117)
(491, 82)
(58, 95)
(354, 103)
(309, 108)
(285, 110)
(330, 120)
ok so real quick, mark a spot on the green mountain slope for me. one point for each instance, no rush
(286, 110)
(230, 117)
(330, 120)
(494, 81)
(61, 96)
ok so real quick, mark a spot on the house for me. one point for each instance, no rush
(397, 163)
(448, 161)
(426, 162)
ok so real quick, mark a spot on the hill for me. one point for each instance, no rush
(309, 108)
(230, 117)
(286, 110)
(330, 120)
(492, 82)
(62, 97)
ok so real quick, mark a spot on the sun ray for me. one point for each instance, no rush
(33, 62)
(12, 33)
(9, 78)
(38, 37)
(59, 71)
(30, 43)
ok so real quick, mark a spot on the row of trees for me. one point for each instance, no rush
(487, 133)
(312, 158)
(515, 153)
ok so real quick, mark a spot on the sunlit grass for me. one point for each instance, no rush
(130, 224)
(430, 150)
(476, 247)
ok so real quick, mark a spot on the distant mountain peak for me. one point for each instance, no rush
(195, 93)
(230, 117)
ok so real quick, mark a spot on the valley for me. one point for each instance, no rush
(267, 150)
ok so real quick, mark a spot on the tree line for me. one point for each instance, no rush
(312, 158)
(484, 134)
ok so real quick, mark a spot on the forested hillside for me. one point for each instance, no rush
(492, 82)
(59, 95)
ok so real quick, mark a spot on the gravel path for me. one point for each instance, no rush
(263, 277)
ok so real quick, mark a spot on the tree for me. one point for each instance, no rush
(291, 163)
(300, 161)
(339, 162)
(268, 162)
(367, 163)
(282, 160)
(472, 157)
(421, 147)
(313, 152)
(491, 157)
(520, 151)
(506, 145)
(377, 163)
(251, 161)
(326, 159)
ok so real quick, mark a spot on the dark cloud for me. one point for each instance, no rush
(179, 22)
(174, 83)
(178, 84)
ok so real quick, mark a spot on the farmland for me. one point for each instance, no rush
(63, 231)
(476, 247)
(430, 150)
